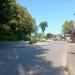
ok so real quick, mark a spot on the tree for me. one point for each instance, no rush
(35, 29)
(21, 21)
(6, 10)
(15, 18)
(38, 35)
(49, 35)
(43, 26)
(67, 26)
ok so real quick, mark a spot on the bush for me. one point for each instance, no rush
(34, 41)
(26, 38)
(8, 37)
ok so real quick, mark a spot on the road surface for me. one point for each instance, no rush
(39, 59)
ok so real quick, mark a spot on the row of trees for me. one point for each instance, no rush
(16, 22)
(66, 28)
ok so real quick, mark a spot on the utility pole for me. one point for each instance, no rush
(74, 21)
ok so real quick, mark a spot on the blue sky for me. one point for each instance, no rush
(55, 12)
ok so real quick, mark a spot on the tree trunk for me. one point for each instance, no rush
(42, 34)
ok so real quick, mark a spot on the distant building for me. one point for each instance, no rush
(57, 37)
(67, 37)
(72, 35)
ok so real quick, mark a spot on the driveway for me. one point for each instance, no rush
(19, 58)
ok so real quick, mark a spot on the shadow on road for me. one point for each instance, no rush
(27, 60)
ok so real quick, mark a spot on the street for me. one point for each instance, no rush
(37, 59)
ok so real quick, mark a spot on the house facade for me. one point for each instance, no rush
(72, 35)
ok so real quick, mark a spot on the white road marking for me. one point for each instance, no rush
(16, 56)
(21, 70)
(64, 57)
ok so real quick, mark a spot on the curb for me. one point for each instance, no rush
(67, 64)
(68, 70)
(41, 43)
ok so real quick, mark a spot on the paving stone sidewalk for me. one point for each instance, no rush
(71, 58)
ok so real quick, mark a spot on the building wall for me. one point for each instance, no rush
(72, 37)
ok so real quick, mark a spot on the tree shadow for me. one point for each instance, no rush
(31, 60)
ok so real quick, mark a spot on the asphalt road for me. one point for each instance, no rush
(18, 58)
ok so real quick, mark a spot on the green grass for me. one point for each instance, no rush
(38, 40)
(42, 40)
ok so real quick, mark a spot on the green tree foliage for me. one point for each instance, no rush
(6, 10)
(49, 35)
(35, 29)
(38, 35)
(15, 19)
(23, 19)
(67, 26)
(43, 26)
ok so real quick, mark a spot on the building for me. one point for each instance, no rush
(57, 37)
(67, 37)
(72, 35)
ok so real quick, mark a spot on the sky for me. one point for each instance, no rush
(55, 12)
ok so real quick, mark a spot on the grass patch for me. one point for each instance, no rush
(38, 40)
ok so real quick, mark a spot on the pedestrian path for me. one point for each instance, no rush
(71, 58)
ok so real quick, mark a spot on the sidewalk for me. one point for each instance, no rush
(71, 58)
(41, 43)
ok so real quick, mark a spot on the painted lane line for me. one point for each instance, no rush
(21, 70)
